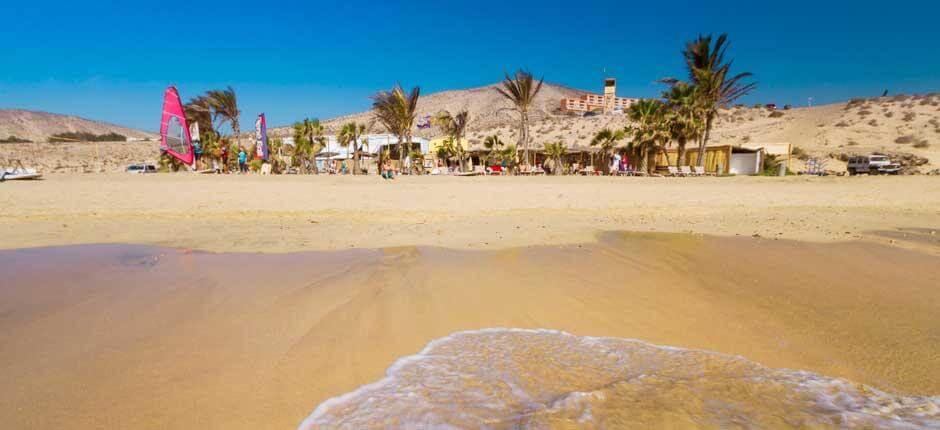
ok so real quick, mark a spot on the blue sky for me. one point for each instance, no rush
(292, 60)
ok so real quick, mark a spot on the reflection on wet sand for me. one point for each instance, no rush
(132, 336)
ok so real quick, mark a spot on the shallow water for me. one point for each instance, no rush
(544, 379)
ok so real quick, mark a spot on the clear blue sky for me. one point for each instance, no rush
(111, 62)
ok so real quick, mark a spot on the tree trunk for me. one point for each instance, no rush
(680, 153)
(356, 167)
(704, 142)
(524, 138)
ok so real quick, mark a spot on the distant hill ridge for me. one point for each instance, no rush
(39, 126)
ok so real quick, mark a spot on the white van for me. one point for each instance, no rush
(872, 164)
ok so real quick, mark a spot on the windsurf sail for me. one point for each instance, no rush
(174, 133)
(261, 138)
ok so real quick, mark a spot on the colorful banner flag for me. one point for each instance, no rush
(261, 138)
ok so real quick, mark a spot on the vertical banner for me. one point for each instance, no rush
(261, 138)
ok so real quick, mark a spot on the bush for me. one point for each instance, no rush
(889, 114)
(799, 153)
(873, 123)
(255, 165)
(909, 116)
(904, 139)
(864, 112)
(856, 102)
(14, 139)
(842, 124)
(82, 136)
(776, 114)
(922, 144)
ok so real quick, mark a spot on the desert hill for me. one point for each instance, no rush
(39, 126)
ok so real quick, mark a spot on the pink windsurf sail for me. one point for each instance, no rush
(174, 133)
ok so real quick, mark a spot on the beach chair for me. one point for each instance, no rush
(673, 171)
(589, 170)
(686, 171)
(700, 171)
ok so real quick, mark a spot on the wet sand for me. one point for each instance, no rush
(117, 336)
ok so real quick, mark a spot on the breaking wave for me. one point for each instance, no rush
(544, 379)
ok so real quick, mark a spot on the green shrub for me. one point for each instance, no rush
(776, 114)
(14, 139)
(81, 136)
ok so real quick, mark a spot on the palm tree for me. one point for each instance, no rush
(225, 107)
(554, 151)
(683, 121)
(454, 126)
(493, 145)
(711, 74)
(198, 110)
(349, 136)
(648, 130)
(510, 155)
(607, 140)
(308, 142)
(521, 91)
(397, 111)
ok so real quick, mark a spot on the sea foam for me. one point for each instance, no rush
(534, 379)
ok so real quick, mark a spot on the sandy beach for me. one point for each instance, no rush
(836, 276)
(302, 213)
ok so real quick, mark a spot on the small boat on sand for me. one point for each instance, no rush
(18, 172)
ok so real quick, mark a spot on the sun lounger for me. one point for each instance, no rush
(673, 171)
(700, 171)
(589, 170)
(686, 171)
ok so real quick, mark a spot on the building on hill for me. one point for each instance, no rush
(607, 102)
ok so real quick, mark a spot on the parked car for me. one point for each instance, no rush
(141, 168)
(873, 165)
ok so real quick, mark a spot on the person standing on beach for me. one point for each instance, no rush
(242, 161)
(223, 155)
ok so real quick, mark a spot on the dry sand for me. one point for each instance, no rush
(297, 213)
(138, 337)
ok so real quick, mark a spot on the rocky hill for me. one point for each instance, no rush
(39, 126)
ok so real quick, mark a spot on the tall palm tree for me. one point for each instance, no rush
(454, 126)
(224, 103)
(350, 136)
(607, 140)
(555, 151)
(648, 130)
(711, 74)
(683, 121)
(397, 111)
(521, 91)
